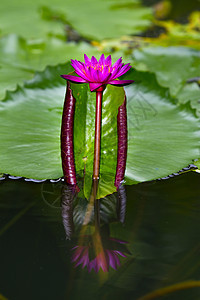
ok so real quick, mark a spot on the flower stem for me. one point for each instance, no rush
(97, 141)
(97, 213)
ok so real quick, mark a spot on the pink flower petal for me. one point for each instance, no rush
(120, 253)
(95, 76)
(87, 60)
(74, 247)
(112, 261)
(94, 85)
(96, 265)
(90, 74)
(118, 63)
(91, 265)
(123, 70)
(102, 261)
(85, 257)
(108, 61)
(94, 60)
(77, 65)
(116, 258)
(73, 78)
(79, 69)
(105, 75)
(77, 254)
(79, 262)
(114, 73)
(102, 59)
(86, 72)
(120, 82)
(119, 241)
(81, 74)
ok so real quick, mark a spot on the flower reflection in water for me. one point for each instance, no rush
(95, 249)
(99, 251)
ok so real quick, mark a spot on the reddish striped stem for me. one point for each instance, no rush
(67, 145)
(122, 144)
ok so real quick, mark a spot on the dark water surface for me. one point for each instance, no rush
(162, 229)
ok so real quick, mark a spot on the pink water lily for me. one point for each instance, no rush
(99, 73)
(102, 258)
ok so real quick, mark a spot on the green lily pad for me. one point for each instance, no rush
(197, 163)
(163, 138)
(91, 18)
(36, 110)
(173, 66)
(34, 114)
(25, 19)
(20, 59)
(191, 92)
(108, 19)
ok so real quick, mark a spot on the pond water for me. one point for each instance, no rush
(161, 227)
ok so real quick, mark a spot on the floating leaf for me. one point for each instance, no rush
(19, 59)
(91, 18)
(197, 163)
(174, 67)
(191, 92)
(39, 106)
(25, 19)
(163, 138)
(31, 121)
